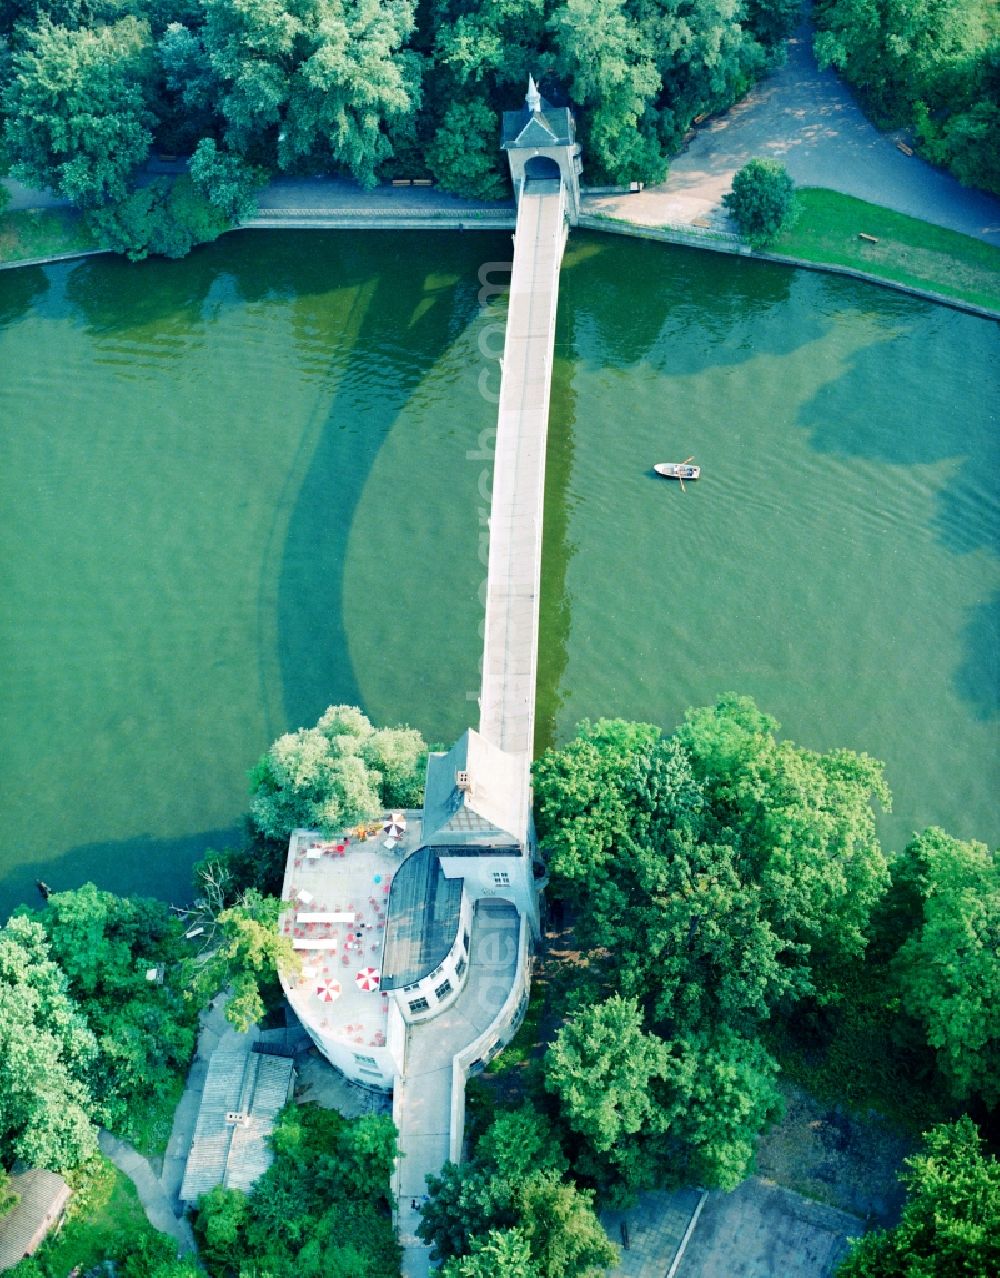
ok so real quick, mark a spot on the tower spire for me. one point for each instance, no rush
(533, 97)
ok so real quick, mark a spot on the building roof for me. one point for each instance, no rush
(551, 126)
(423, 919)
(41, 1197)
(239, 1081)
(494, 809)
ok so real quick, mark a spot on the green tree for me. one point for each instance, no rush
(8, 1198)
(220, 1225)
(145, 1031)
(486, 1193)
(581, 805)
(950, 1225)
(898, 52)
(501, 1251)
(463, 1203)
(948, 971)
(328, 777)
(47, 1050)
(762, 201)
(226, 181)
(558, 1221)
(246, 952)
(78, 120)
(603, 1068)
(464, 154)
(803, 829)
(608, 60)
(724, 1094)
(302, 85)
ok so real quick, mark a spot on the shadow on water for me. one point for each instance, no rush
(977, 679)
(397, 357)
(950, 365)
(625, 313)
(839, 421)
(555, 610)
(19, 291)
(143, 866)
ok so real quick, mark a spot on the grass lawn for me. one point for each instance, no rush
(908, 251)
(105, 1220)
(150, 1130)
(31, 233)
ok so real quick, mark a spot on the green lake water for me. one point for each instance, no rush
(246, 485)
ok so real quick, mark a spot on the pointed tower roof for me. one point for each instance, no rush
(538, 123)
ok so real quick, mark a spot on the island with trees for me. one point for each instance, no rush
(733, 918)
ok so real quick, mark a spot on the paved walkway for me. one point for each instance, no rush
(762, 1231)
(809, 121)
(423, 1100)
(510, 646)
(156, 1202)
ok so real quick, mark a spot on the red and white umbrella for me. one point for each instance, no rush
(328, 990)
(368, 978)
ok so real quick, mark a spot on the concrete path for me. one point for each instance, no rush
(762, 1231)
(156, 1202)
(424, 1098)
(513, 585)
(809, 121)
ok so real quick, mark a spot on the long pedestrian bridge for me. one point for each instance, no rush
(429, 1094)
(457, 901)
(510, 650)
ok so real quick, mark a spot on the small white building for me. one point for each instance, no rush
(383, 924)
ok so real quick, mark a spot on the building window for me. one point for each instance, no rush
(407, 988)
(460, 968)
(443, 990)
(365, 1060)
(419, 1005)
(465, 941)
(501, 878)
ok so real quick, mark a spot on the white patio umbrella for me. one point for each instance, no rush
(328, 990)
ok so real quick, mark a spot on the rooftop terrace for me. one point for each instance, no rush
(349, 879)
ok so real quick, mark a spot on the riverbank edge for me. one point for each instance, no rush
(723, 242)
(492, 220)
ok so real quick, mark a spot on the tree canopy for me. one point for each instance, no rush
(321, 1208)
(950, 1224)
(762, 201)
(717, 877)
(364, 88)
(145, 1030)
(48, 1050)
(948, 969)
(931, 64)
(338, 773)
(512, 1198)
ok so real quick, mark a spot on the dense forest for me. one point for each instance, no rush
(371, 89)
(932, 66)
(365, 88)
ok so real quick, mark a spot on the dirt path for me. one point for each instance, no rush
(807, 119)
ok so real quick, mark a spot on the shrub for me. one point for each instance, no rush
(762, 201)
